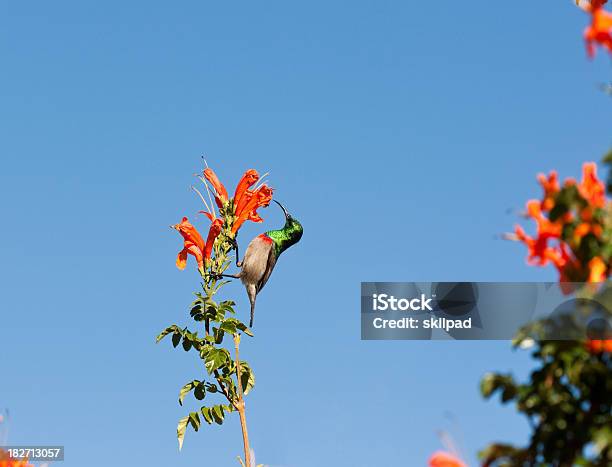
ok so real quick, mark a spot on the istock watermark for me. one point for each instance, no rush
(384, 302)
(479, 311)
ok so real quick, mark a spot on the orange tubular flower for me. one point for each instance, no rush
(247, 210)
(539, 251)
(194, 245)
(550, 185)
(213, 233)
(207, 214)
(600, 30)
(220, 191)
(249, 178)
(597, 270)
(443, 459)
(591, 188)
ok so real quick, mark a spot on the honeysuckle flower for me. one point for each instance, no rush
(248, 210)
(245, 202)
(573, 239)
(234, 211)
(443, 459)
(591, 188)
(213, 233)
(599, 32)
(210, 216)
(7, 461)
(220, 191)
(550, 185)
(586, 228)
(536, 247)
(597, 270)
(194, 245)
(539, 252)
(546, 228)
(249, 178)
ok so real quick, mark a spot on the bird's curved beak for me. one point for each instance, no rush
(287, 216)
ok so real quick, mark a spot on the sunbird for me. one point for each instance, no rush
(261, 256)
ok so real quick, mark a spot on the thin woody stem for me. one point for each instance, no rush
(240, 404)
(237, 402)
(224, 390)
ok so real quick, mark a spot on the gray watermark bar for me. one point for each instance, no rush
(35, 453)
(482, 310)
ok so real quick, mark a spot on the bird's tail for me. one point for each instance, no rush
(252, 293)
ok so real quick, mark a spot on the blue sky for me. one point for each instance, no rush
(401, 134)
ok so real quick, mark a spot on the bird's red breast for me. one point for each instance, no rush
(265, 238)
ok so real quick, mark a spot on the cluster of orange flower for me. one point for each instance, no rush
(6, 461)
(234, 212)
(599, 32)
(568, 229)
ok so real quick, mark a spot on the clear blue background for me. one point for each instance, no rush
(404, 135)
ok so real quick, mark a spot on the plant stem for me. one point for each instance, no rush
(240, 405)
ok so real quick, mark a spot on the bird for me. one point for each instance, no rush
(261, 256)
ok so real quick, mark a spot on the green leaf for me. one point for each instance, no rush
(187, 388)
(219, 334)
(217, 414)
(244, 328)
(176, 338)
(215, 359)
(199, 392)
(247, 377)
(167, 331)
(228, 327)
(212, 388)
(207, 415)
(194, 420)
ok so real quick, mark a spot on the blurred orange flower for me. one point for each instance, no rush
(591, 188)
(564, 218)
(6, 461)
(550, 185)
(443, 459)
(597, 346)
(599, 32)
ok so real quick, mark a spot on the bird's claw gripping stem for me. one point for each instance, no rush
(234, 244)
(217, 276)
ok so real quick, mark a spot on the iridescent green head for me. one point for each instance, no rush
(289, 235)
